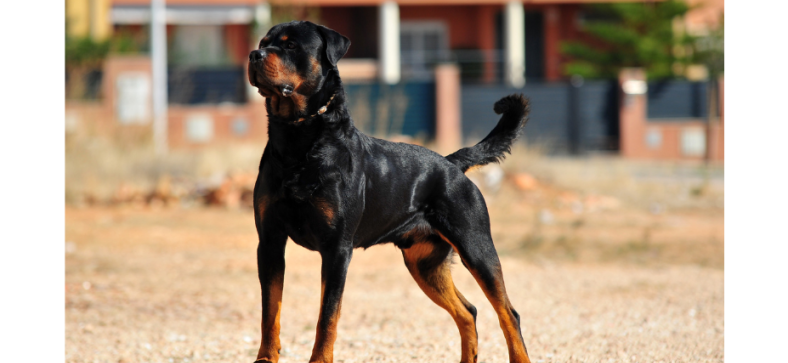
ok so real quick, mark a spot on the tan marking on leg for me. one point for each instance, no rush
(270, 346)
(262, 205)
(503, 308)
(417, 234)
(323, 350)
(438, 285)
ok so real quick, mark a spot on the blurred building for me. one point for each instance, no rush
(497, 47)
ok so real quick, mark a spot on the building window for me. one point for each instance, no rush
(240, 126)
(199, 128)
(653, 138)
(422, 45)
(133, 97)
(693, 142)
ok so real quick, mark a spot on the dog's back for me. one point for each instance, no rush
(406, 183)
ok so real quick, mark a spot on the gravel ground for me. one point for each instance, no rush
(180, 285)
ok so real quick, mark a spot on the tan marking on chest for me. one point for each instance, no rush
(325, 208)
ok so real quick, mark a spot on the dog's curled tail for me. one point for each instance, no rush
(492, 148)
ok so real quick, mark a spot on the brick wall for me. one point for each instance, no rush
(674, 139)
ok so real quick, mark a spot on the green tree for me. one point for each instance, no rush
(709, 50)
(630, 35)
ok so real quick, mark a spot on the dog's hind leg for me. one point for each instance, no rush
(462, 221)
(429, 265)
(479, 257)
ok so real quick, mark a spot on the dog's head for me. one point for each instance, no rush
(291, 65)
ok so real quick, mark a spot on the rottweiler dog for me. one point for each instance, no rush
(331, 189)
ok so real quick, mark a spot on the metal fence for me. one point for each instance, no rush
(564, 117)
(676, 99)
(189, 86)
(383, 110)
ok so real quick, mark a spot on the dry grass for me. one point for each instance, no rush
(98, 166)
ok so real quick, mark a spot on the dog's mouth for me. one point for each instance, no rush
(262, 77)
(267, 89)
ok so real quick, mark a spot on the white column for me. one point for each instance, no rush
(159, 69)
(514, 38)
(262, 16)
(388, 42)
(263, 23)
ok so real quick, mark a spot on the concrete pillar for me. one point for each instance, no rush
(716, 125)
(159, 67)
(262, 16)
(514, 43)
(448, 125)
(632, 111)
(263, 23)
(388, 42)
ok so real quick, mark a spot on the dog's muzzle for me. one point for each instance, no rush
(256, 58)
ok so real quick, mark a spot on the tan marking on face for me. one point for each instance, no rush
(276, 74)
(306, 87)
(284, 37)
(282, 106)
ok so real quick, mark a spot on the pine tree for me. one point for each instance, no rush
(631, 35)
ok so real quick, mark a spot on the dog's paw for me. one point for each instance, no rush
(510, 103)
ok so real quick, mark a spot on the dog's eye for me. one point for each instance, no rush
(290, 45)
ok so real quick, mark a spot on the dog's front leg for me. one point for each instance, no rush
(336, 259)
(271, 271)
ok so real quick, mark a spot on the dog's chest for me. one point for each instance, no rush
(301, 181)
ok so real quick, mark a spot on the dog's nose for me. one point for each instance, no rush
(256, 55)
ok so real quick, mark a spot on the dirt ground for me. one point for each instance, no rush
(594, 278)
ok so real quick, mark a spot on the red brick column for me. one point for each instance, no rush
(486, 38)
(448, 128)
(552, 35)
(632, 112)
(716, 142)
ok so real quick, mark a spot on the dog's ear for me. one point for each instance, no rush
(336, 44)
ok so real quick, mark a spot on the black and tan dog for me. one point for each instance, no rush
(332, 189)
